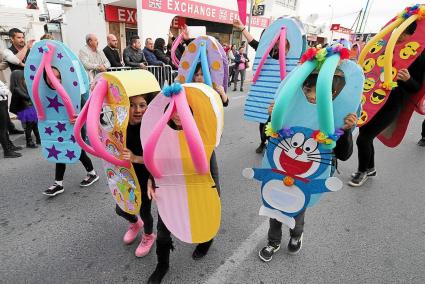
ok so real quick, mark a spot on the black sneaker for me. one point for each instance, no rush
(201, 250)
(359, 179)
(370, 173)
(260, 148)
(31, 145)
(421, 142)
(16, 131)
(15, 148)
(12, 154)
(53, 190)
(89, 180)
(266, 253)
(295, 245)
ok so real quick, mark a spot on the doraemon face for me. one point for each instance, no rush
(299, 155)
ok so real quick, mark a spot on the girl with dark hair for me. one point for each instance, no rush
(22, 106)
(159, 51)
(134, 154)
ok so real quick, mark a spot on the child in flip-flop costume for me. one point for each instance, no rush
(310, 128)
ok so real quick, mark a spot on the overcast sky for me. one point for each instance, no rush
(345, 11)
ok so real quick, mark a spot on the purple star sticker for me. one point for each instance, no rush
(48, 131)
(40, 49)
(60, 56)
(60, 127)
(54, 103)
(70, 155)
(53, 152)
(73, 139)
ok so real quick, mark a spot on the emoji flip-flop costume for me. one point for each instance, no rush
(56, 106)
(269, 72)
(106, 115)
(297, 164)
(186, 196)
(381, 58)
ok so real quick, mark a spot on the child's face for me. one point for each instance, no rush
(57, 75)
(176, 119)
(138, 107)
(198, 77)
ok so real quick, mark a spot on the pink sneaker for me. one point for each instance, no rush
(145, 245)
(133, 230)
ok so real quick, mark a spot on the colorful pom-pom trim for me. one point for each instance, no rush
(417, 9)
(320, 54)
(321, 137)
(173, 89)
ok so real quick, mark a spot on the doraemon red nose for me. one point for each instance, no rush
(299, 151)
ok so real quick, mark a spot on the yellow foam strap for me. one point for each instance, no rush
(376, 38)
(389, 50)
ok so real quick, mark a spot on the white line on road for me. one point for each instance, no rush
(238, 97)
(227, 269)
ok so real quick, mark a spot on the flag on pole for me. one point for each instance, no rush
(242, 10)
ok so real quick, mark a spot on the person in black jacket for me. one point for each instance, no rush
(159, 51)
(409, 82)
(421, 142)
(342, 151)
(133, 54)
(22, 106)
(111, 51)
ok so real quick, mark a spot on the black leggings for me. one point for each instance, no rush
(423, 129)
(4, 134)
(85, 160)
(367, 133)
(145, 213)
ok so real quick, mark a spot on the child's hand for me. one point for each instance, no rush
(127, 155)
(151, 190)
(270, 109)
(73, 120)
(349, 121)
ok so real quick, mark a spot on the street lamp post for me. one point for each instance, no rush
(332, 19)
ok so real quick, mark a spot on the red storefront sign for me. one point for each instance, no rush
(340, 29)
(335, 27)
(120, 14)
(192, 9)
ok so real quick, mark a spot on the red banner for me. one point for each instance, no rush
(120, 14)
(196, 10)
(340, 29)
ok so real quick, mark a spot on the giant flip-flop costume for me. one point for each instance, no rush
(209, 52)
(55, 107)
(269, 72)
(381, 59)
(186, 196)
(297, 164)
(106, 115)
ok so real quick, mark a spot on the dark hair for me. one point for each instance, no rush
(241, 47)
(149, 96)
(411, 29)
(45, 77)
(134, 38)
(338, 81)
(198, 67)
(159, 44)
(14, 31)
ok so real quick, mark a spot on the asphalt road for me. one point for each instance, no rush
(373, 234)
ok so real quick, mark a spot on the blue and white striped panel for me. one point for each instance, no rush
(263, 91)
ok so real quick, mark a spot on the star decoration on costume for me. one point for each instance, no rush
(48, 130)
(73, 139)
(60, 56)
(70, 155)
(60, 127)
(54, 103)
(53, 152)
(40, 49)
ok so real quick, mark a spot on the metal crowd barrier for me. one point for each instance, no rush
(164, 74)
